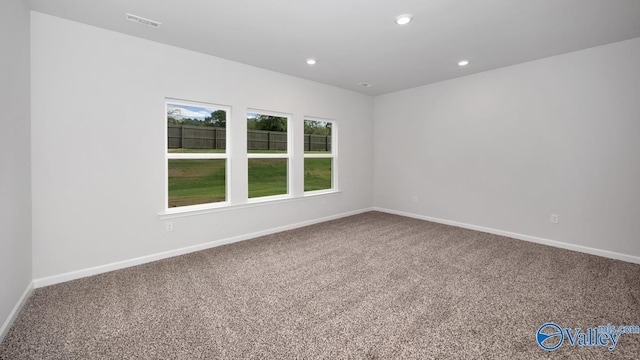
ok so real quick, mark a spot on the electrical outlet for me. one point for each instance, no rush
(414, 198)
(555, 218)
(169, 226)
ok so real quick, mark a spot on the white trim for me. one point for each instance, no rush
(15, 311)
(269, 198)
(77, 274)
(320, 192)
(288, 115)
(217, 207)
(288, 155)
(537, 240)
(317, 155)
(267, 156)
(194, 103)
(196, 156)
(209, 156)
(195, 208)
(320, 119)
(333, 155)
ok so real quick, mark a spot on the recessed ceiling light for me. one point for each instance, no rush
(365, 84)
(403, 19)
(463, 62)
(311, 61)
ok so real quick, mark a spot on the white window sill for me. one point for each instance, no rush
(320, 192)
(225, 206)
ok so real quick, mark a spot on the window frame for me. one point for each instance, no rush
(333, 155)
(237, 155)
(197, 156)
(289, 155)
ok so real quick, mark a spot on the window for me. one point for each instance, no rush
(199, 164)
(319, 155)
(197, 158)
(268, 153)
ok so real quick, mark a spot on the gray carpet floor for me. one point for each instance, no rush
(368, 286)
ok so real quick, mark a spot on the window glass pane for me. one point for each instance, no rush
(267, 177)
(196, 129)
(194, 182)
(317, 174)
(266, 133)
(317, 137)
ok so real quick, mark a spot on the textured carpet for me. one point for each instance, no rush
(368, 286)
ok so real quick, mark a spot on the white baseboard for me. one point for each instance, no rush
(554, 243)
(15, 311)
(73, 275)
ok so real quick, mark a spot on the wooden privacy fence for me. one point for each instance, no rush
(317, 142)
(205, 137)
(196, 137)
(266, 140)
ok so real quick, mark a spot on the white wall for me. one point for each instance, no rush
(504, 149)
(98, 144)
(501, 149)
(15, 168)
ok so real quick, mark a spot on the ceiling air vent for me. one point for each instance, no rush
(143, 21)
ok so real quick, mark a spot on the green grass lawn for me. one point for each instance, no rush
(317, 174)
(194, 182)
(267, 177)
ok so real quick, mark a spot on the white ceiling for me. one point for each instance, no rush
(357, 40)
